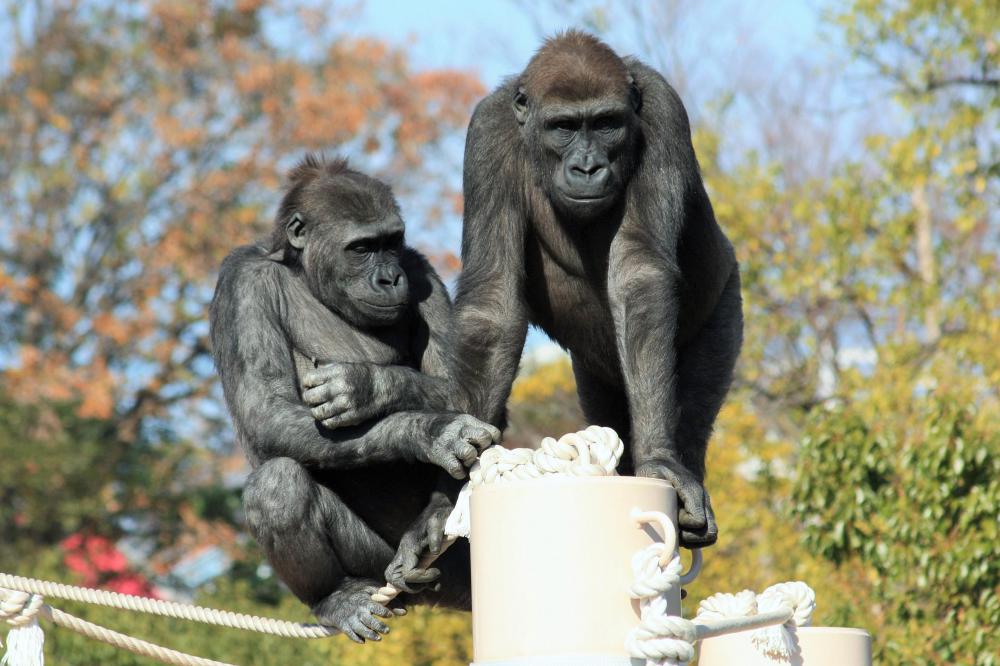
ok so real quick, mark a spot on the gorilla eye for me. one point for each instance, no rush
(394, 243)
(360, 248)
(607, 124)
(564, 125)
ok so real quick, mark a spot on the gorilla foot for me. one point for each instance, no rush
(695, 519)
(351, 610)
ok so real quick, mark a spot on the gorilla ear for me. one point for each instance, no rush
(634, 95)
(521, 105)
(295, 228)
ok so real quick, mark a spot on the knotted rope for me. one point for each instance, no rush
(591, 452)
(660, 638)
(667, 640)
(21, 603)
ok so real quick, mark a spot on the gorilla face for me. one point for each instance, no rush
(583, 152)
(354, 269)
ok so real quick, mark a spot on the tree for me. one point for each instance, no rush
(138, 145)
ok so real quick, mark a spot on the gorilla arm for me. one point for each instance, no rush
(258, 378)
(645, 282)
(490, 316)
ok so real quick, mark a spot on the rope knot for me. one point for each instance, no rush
(19, 609)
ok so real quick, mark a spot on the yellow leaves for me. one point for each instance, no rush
(60, 122)
(541, 383)
(49, 377)
(107, 325)
(38, 99)
(172, 131)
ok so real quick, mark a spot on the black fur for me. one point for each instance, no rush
(328, 342)
(585, 214)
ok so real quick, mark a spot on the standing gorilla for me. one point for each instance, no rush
(585, 215)
(339, 498)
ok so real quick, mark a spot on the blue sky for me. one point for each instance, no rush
(718, 43)
(497, 37)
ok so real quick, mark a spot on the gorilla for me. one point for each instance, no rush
(328, 341)
(585, 215)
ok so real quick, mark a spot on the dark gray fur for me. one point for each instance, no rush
(341, 406)
(642, 288)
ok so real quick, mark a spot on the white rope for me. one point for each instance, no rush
(591, 452)
(220, 618)
(661, 639)
(667, 640)
(22, 604)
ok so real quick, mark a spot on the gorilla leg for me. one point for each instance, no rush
(326, 555)
(604, 404)
(455, 583)
(704, 373)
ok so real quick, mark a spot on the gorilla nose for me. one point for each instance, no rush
(587, 173)
(390, 280)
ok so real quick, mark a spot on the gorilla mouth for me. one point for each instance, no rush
(384, 306)
(586, 199)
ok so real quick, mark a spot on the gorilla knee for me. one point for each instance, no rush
(277, 496)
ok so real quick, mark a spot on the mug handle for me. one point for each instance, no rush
(670, 541)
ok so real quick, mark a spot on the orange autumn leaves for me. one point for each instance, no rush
(139, 144)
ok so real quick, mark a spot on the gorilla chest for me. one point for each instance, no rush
(319, 335)
(572, 309)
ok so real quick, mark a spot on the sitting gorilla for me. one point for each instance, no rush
(327, 339)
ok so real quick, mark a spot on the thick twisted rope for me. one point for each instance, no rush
(21, 606)
(594, 451)
(220, 618)
(25, 641)
(666, 640)
(591, 452)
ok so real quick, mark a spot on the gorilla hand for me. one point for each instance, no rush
(351, 610)
(342, 394)
(456, 440)
(695, 517)
(426, 534)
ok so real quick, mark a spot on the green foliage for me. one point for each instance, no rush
(424, 637)
(916, 504)
(875, 480)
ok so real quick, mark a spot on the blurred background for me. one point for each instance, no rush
(852, 153)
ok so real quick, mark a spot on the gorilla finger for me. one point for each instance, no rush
(435, 536)
(324, 411)
(466, 453)
(315, 377)
(316, 396)
(692, 513)
(698, 538)
(399, 612)
(397, 580)
(692, 518)
(357, 624)
(378, 609)
(453, 467)
(375, 624)
(349, 632)
(477, 436)
(349, 418)
(422, 576)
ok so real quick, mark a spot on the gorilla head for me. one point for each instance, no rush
(344, 231)
(577, 106)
